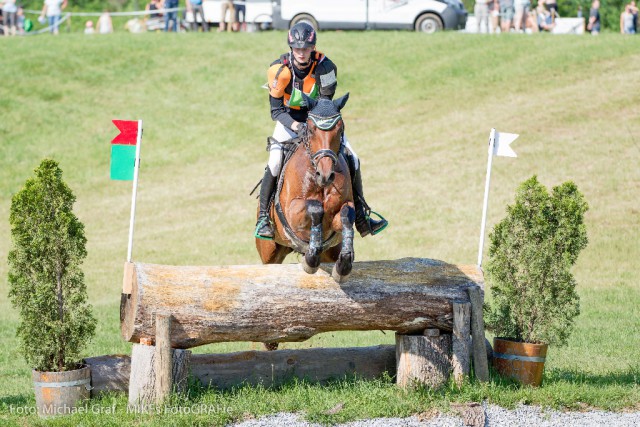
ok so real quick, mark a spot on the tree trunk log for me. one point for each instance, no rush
(422, 360)
(273, 368)
(277, 303)
(269, 368)
(109, 373)
(461, 341)
(142, 383)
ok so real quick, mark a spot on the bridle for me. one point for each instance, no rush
(322, 123)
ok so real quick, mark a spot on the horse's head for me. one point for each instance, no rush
(324, 135)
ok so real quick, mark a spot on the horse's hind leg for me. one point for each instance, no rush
(270, 252)
(311, 260)
(344, 264)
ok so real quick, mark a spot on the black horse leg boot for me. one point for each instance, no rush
(264, 229)
(364, 223)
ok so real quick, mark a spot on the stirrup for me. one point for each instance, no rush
(261, 223)
(382, 219)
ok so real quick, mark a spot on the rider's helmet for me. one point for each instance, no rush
(302, 35)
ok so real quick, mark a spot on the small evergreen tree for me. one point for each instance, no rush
(46, 283)
(531, 253)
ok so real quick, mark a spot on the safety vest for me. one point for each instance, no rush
(280, 75)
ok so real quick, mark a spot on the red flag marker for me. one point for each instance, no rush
(128, 132)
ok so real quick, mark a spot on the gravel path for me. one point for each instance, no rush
(495, 416)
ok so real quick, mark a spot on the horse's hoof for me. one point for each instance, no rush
(337, 277)
(307, 268)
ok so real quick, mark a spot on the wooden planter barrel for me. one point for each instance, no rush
(523, 362)
(58, 393)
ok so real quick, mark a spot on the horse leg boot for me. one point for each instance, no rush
(344, 264)
(364, 223)
(311, 260)
(264, 229)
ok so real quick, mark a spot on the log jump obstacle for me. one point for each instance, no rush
(428, 303)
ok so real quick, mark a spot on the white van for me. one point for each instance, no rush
(426, 16)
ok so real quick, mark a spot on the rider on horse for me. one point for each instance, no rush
(303, 69)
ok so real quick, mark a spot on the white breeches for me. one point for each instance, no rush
(281, 134)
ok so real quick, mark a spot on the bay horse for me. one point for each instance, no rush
(313, 211)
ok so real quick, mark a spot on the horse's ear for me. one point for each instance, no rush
(308, 102)
(340, 102)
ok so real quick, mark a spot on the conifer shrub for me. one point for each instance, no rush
(531, 254)
(46, 283)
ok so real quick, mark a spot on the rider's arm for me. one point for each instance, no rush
(279, 113)
(278, 78)
(327, 76)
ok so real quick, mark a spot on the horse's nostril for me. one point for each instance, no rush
(332, 176)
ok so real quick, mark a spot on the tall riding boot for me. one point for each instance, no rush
(264, 229)
(364, 223)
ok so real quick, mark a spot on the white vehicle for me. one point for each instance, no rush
(426, 16)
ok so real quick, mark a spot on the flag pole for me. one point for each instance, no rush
(136, 168)
(492, 139)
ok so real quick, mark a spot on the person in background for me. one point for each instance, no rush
(195, 7)
(594, 18)
(104, 24)
(9, 16)
(521, 14)
(634, 11)
(171, 16)
(481, 12)
(227, 5)
(52, 9)
(544, 16)
(88, 27)
(241, 13)
(153, 6)
(626, 21)
(552, 7)
(494, 16)
(23, 24)
(506, 15)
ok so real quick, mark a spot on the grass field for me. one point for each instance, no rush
(419, 117)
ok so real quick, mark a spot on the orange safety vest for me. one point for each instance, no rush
(279, 76)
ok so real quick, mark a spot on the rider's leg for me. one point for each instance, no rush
(264, 229)
(364, 223)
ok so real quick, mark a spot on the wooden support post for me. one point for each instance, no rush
(461, 341)
(150, 365)
(422, 360)
(480, 364)
(163, 369)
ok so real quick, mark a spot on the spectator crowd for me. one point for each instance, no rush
(491, 16)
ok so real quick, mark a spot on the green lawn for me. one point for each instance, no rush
(419, 116)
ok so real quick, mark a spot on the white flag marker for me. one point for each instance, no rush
(499, 145)
(502, 144)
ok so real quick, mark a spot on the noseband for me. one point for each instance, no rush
(322, 123)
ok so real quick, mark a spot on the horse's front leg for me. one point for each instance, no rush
(344, 264)
(311, 260)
